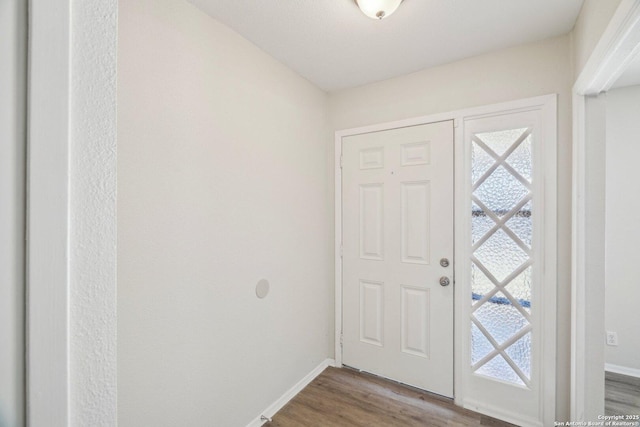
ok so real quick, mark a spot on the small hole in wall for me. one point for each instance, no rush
(262, 288)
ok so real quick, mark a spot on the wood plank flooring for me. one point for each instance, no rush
(345, 397)
(622, 394)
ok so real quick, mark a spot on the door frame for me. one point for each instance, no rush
(48, 213)
(616, 48)
(547, 103)
(71, 213)
(13, 115)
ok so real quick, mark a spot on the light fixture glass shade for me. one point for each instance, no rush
(378, 9)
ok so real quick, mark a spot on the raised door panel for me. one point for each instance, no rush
(372, 312)
(416, 205)
(371, 221)
(416, 321)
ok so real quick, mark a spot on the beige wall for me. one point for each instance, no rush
(525, 71)
(221, 182)
(590, 25)
(622, 270)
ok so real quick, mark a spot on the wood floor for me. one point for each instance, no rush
(345, 397)
(622, 394)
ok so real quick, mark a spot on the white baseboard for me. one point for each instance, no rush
(291, 393)
(623, 370)
(500, 413)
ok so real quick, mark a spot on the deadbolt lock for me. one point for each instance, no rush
(444, 262)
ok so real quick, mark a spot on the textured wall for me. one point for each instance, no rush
(622, 270)
(92, 194)
(221, 182)
(525, 71)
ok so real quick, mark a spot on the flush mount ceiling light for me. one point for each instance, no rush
(378, 9)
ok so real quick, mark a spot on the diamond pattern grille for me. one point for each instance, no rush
(501, 229)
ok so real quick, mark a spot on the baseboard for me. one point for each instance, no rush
(500, 413)
(623, 370)
(291, 393)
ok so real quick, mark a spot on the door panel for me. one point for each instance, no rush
(397, 225)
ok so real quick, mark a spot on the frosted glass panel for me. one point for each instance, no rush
(501, 191)
(520, 288)
(504, 251)
(500, 369)
(520, 353)
(500, 255)
(501, 319)
(480, 345)
(522, 224)
(480, 284)
(501, 141)
(520, 159)
(480, 223)
(481, 161)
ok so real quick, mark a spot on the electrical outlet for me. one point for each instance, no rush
(612, 338)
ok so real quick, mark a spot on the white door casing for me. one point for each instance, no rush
(612, 55)
(71, 216)
(397, 226)
(13, 68)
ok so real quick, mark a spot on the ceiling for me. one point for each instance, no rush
(332, 44)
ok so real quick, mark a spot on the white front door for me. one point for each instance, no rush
(397, 228)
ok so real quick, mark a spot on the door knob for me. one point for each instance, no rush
(444, 281)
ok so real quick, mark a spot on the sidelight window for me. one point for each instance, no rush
(501, 254)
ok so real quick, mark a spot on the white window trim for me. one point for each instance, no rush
(547, 104)
(619, 44)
